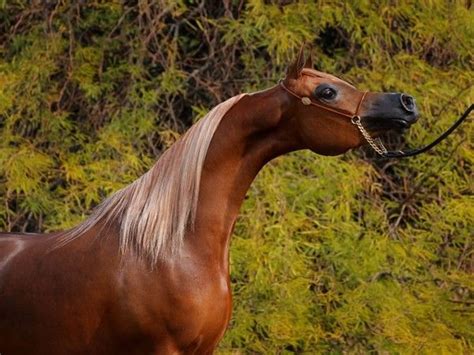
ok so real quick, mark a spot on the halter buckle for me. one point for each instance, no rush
(306, 101)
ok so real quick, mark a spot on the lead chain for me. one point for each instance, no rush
(376, 144)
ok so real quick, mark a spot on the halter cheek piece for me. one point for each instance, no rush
(376, 143)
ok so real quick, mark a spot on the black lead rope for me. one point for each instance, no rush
(413, 152)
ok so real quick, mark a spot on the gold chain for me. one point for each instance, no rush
(376, 144)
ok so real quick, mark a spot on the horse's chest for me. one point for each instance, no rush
(193, 309)
(204, 305)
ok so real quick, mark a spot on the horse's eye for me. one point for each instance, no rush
(325, 92)
(328, 94)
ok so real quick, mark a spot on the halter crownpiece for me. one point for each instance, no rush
(376, 143)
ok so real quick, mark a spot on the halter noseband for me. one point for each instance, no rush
(376, 143)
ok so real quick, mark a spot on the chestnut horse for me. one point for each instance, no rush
(148, 272)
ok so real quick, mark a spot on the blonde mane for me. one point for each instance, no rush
(155, 211)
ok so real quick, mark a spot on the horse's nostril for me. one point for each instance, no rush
(408, 102)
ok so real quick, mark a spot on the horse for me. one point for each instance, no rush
(148, 271)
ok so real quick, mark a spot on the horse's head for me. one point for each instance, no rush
(332, 116)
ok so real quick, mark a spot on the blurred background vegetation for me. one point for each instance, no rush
(330, 255)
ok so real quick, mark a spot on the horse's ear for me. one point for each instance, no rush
(295, 68)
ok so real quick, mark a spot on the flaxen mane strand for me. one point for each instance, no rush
(155, 210)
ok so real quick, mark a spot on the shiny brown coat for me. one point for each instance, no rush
(87, 298)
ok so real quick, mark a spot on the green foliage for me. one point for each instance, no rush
(330, 255)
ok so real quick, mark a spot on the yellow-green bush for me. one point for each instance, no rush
(346, 254)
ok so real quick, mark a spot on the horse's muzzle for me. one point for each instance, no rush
(390, 110)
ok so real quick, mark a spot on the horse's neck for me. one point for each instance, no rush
(250, 135)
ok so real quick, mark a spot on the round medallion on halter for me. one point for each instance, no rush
(306, 101)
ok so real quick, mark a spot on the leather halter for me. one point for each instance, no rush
(307, 101)
(376, 143)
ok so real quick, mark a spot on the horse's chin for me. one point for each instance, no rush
(397, 130)
(378, 127)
